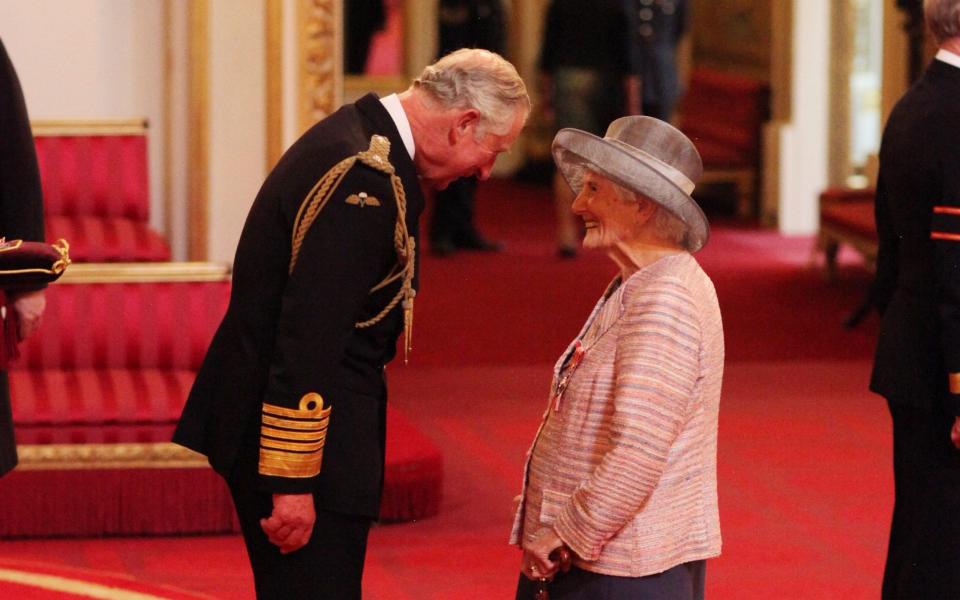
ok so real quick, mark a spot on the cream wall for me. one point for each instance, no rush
(237, 119)
(80, 59)
(803, 141)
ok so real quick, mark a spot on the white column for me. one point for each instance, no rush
(237, 119)
(803, 143)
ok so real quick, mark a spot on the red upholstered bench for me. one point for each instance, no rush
(723, 114)
(847, 217)
(96, 394)
(96, 193)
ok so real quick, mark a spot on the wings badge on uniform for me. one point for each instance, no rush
(362, 200)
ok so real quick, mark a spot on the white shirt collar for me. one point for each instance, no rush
(948, 57)
(393, 106)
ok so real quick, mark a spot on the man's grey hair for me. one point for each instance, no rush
(666, 225)
(943, 18)
(479, 79)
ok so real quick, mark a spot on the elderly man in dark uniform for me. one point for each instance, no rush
(917, 364)
(21, 217)
(290, 403)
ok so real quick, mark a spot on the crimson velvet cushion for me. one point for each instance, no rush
(96, 196)
(113, 361)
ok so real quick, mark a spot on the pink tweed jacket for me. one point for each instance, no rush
(623, 466)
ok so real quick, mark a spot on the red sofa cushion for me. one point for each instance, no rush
(855, 217)
(98, 396)
(722, 113)
(102, 175)
(96, 175)
(126, 325)
(108, 239)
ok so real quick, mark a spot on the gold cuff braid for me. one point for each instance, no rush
(292, 439)
(954, 381)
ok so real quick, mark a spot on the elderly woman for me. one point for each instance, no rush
(621, 477)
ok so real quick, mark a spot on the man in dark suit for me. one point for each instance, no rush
(21, 217)
(290, 402)
(656, 27)
(917, 287)
(464, 24)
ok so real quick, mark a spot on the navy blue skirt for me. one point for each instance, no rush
(682, 582)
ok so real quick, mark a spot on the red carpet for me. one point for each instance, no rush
(805, 478)
(37, 581)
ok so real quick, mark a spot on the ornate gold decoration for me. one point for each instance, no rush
(144, 272)
(161, 455)
(274, 79)
(198, 135)
(292, 440)
(6, 246)
(71, 127)
(320, 71)
(62, 247)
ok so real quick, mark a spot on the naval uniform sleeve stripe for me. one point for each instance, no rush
(942, 235)
(292, 436)
(313, 425)
(954, 380)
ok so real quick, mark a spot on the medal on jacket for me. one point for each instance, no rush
(567, 372)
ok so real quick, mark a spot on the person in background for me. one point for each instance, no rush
(586, 76)
(917, 289)
(656, 27)
(622, 475)
(21, 218)
(464, 24)
(289, 404)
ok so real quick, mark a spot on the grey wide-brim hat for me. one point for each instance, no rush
(644, 155)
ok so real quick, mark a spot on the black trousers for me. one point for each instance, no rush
(923, 557)
(329, 567)
(453, 213)
(682, 582)
(8, 447)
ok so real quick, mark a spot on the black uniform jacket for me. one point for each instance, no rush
(917, 284)
(21, 206)
(287, 337)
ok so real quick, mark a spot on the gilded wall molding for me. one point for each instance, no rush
(274, 79)
(160, 455)
(321, 73)
(842, 32)
(198, 143)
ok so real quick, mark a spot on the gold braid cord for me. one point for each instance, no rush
(377, 156)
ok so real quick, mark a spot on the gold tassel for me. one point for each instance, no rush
(408, 324)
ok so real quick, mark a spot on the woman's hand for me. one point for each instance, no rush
(537, 563)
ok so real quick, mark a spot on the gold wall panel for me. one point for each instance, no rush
(319, 66)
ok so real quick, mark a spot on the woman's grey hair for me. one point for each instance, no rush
(943, 18)
(666, 225)
(480, 79)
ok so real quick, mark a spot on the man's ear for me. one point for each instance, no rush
(465, 123)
